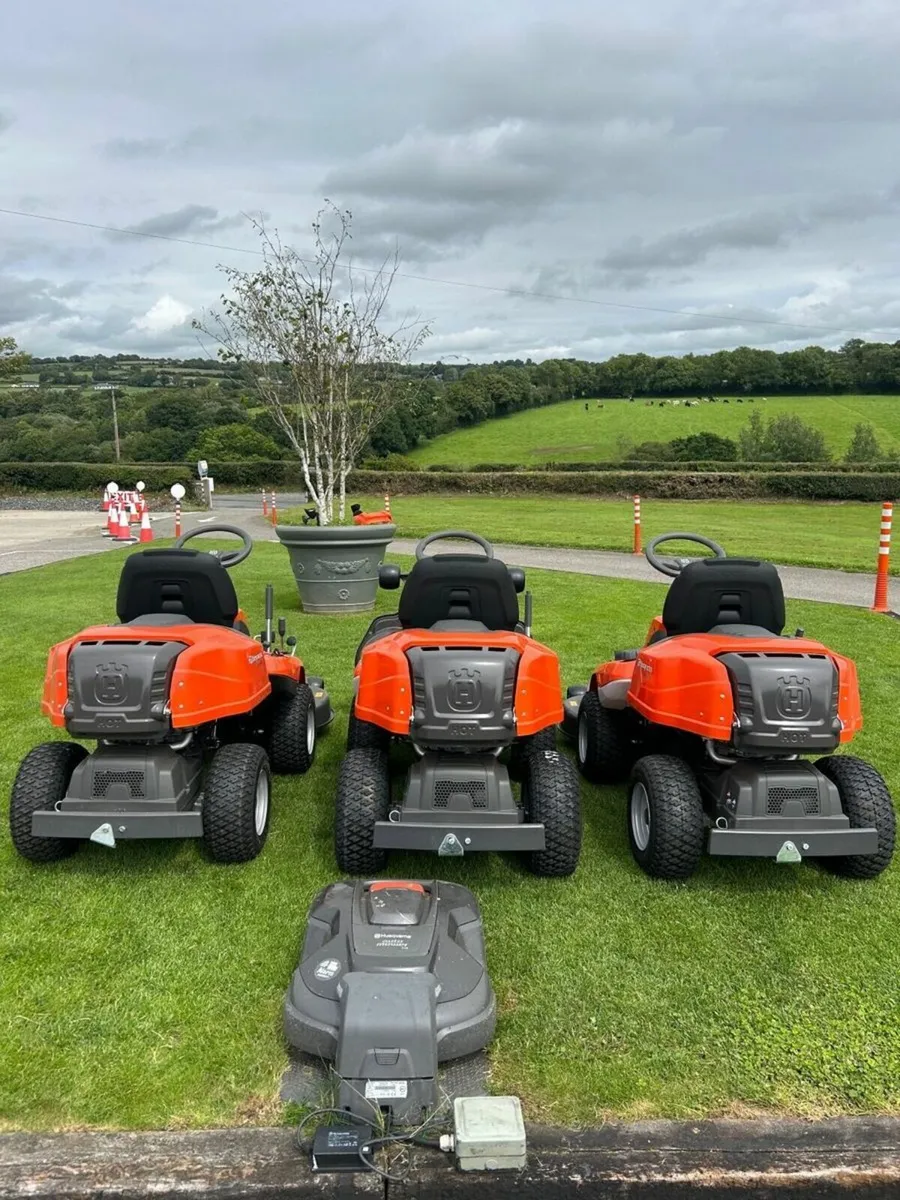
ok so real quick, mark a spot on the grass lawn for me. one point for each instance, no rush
(566, 433)
(143, 987)
(842, 534)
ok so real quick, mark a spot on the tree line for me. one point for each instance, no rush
(213, 412)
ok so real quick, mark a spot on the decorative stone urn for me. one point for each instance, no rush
(336, 566)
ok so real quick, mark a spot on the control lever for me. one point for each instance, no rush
(282, 630)
(270, 613)
(291, 643)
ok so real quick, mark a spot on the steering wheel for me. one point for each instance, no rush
(228, 558)
(673, 566)
(461, 534)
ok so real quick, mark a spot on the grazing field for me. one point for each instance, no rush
(566, 433)
(142, 988)
(840, 535)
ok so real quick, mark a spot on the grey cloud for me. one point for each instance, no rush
(6, 120)
(190, 218)
(23, 300)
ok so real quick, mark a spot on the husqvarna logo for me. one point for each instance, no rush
(463, 690)
(111, 683)
(794, 697)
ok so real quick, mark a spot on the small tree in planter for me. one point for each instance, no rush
(311, 333)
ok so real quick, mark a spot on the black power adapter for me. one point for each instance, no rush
(336, 1148)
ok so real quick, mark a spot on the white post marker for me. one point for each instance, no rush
(140, 485)
(177, 493)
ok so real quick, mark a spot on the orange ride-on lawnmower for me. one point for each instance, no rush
(456, 675)
(190, 716)
(709, 722)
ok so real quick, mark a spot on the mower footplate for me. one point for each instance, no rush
(324, 711)
(124, 825)
(792, 844)
(454, 839)
(568, 726)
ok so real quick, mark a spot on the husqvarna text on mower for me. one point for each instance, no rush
(190, 715)
(710, 719)
(456, 675)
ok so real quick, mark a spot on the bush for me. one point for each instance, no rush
(786, 438)
(863, 446)
(703, 446)
(391, 462)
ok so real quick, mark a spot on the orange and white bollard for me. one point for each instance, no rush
(265, 503)
(387, 503)
(146, 527)
(637, 525)
(274, 514)
(178, 518)
(884, 560)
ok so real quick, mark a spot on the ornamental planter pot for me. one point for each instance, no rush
(336, 566)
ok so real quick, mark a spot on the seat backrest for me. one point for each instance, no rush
(186, 582)
(459, 587)
(724, 591)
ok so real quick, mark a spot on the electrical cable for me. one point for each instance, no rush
(522, 293)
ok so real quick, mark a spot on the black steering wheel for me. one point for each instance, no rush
(673, 566)
(461, 534)
(228, 558)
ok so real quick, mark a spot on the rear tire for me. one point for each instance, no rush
(363, 797)
(537, 743)
(603, 749)
(41, 782)
(363, 735)
(291, 740)
(237, 796)
(666, 821)
(551, 796)
(867, 802)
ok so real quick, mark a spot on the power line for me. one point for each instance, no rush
(522, 293)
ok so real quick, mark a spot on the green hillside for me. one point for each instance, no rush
(565, 432)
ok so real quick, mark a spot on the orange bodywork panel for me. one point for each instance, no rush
(681, 683)
(221, 673)
(385, 683)
(375, 518)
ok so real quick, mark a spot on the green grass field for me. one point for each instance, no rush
(566, 433)
(841, 535)
(143, 987)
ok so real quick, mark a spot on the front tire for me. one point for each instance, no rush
(551, 796)
(237, 796)
(603, 749)
(363, 798)
(41, 782)
(291, 741)
(867, 802)
(666, 821)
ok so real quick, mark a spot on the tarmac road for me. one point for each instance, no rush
(34, 539)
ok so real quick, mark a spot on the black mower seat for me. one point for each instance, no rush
(459, 587)
(188, 583)
(714, 592)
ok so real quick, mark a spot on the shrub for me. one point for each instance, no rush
(863, 446)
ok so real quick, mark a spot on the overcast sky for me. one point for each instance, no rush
(727, 158)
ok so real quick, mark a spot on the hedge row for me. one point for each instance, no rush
(670, 485)
(674, 483)
(87, 477)
(706, 465)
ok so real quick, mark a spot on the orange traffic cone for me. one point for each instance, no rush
(112, 522)
(146, 527)
(123, 532)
